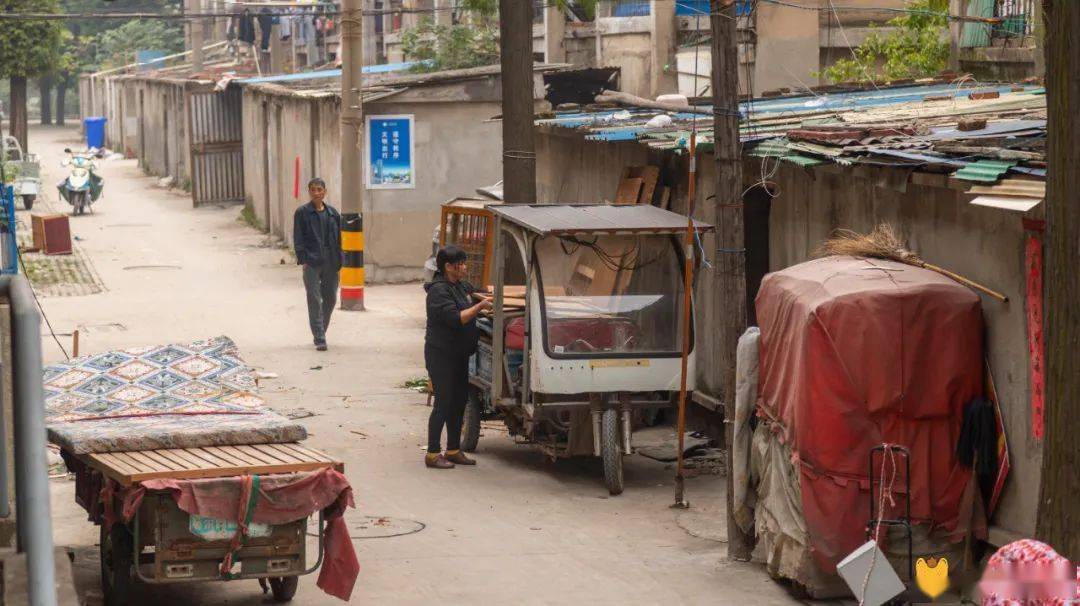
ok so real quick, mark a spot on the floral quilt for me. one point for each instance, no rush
(168, 396)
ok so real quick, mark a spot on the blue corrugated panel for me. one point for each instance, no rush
(384, 68)
(616, 135)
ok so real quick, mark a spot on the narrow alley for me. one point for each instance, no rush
(515, 529)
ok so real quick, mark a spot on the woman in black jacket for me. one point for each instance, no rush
(450, 339)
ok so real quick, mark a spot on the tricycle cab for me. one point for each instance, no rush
(587, 327)
(604, 313)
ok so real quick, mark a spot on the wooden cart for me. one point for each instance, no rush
(163, 544)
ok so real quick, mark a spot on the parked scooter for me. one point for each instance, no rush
(83, 186)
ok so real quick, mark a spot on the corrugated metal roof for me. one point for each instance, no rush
(984, 171)
(566, 219)
(1021, 188)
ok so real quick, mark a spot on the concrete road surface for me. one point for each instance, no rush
(513, 530)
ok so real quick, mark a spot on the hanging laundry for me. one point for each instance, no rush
(266, 22)
(246, 28)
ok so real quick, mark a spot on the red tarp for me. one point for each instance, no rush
(857, 352)
(282, 499)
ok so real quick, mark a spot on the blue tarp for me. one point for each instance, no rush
(330, 73)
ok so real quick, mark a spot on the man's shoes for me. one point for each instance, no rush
(320, 347)
(457, 457)
(437, 461)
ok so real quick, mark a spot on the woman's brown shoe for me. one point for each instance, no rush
(459, 458)
(437, 461)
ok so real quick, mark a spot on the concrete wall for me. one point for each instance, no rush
(457, 150)
(162, 147)
(984, 244)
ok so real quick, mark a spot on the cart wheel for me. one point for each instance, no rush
(611, 451)
(28, 201)
(116, 564)
(284, 588)
(470, 427)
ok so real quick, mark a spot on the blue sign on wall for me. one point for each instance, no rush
(390, 152)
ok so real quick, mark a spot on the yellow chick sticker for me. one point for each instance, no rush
(932, 576)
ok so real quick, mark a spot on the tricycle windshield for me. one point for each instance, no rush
(610, 295)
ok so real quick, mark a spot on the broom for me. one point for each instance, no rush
(883, 243)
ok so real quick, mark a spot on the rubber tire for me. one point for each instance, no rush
(284, 588)
(116, 547)
(611, 451)
(470, 426)
(28, 202)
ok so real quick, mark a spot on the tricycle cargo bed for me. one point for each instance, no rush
(129, 468)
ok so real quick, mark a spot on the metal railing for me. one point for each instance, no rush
(1017, 19)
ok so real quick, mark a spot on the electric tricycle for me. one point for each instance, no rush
(584, 337)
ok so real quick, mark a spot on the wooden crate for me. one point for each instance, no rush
(129, 468)
(52, 234)
(467, 224)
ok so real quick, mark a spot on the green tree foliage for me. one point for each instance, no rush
(916, 47)
(29, 48)
(117, 46)
(472, 43)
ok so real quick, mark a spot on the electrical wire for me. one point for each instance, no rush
(33, 291)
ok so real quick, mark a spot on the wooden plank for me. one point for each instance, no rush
(649, 175)
(192, 461)
(145, 464)
(209, 458)
(299, 453)
(272, 454)
(157, 461)
(170, 455)
(628, 191)
(228, 459)
(285, 455)
(245, 454)
(107, 461)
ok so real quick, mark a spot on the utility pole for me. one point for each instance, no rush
(1058, 519)
(730, 264)
(352, 115)
(196, 27)
(519, 140)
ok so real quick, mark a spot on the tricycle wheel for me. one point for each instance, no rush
(611, 451)
(284, 588)
(117, 564)
(470, 426)
(28, 201)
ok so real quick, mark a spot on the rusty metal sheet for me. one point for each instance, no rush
(217, 159)
(562, 219)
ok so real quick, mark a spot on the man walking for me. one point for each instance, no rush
(317, 240)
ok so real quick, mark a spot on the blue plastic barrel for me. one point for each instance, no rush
(95, 131)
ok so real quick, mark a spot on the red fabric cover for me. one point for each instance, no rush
(600, 332)
(282, 499)
(857, 352)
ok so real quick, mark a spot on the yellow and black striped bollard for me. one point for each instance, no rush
(352, 267)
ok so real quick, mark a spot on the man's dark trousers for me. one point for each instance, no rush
(321, 284)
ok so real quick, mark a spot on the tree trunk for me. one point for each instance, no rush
(1059, 516)
(730, 265)
(18, 110)
(45, 87)
(61, 99)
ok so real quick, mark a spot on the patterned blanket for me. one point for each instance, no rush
(170, 396)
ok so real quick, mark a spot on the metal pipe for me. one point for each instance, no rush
(596, 410)
(32, 522)
(688, 285)
(627, 430)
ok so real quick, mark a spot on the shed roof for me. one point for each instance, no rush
(935, 127)
(568, 219)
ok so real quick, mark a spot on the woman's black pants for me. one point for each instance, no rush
(449, 374)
